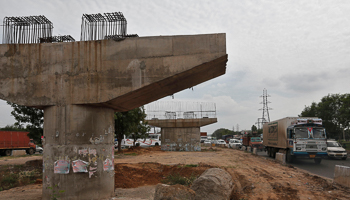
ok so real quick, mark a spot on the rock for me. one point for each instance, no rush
(214, 183)
(173, 192)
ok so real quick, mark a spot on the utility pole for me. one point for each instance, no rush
(265, 109)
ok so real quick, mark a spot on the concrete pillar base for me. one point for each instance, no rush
(78, 158)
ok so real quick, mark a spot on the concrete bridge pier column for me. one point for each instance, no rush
(78, 155)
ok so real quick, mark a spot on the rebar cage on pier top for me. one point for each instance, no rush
(30, 29)
(180, 110)
(104, 26)
(21, 30)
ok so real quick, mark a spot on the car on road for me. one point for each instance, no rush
(232, 143)
(220, 141)
(207, 142)
(335, 150)
(39, 149)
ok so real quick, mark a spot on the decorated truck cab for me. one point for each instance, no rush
(297, 137)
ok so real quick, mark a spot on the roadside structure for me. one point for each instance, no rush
(180, 123)
(80, 85)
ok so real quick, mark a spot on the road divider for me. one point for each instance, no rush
(342, 175)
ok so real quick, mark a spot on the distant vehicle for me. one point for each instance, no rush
(15, 140)
(234, 142)
(221, 142)
(297, 137)
(203, 138)
(152, 140)
(39, 149)
(207, 142)
(227, 138)
(335, 150)
(252, 140)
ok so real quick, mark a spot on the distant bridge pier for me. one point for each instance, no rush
(181, 134)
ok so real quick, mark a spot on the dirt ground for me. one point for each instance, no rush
(139, 170)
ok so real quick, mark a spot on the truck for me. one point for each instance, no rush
(252, 140)
(15, 140)
(297, 138)
(203, 136)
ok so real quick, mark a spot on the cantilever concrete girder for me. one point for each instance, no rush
(80, 85)
(120, 75)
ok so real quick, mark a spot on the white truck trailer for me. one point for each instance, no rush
(297, 137)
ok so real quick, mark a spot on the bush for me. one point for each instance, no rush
(174, 179)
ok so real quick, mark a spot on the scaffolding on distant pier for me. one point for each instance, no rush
(180, 110)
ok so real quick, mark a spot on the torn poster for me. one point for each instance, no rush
(61, 167)
(83, 152)
(79, 166)
(92, 151)
(108, 165)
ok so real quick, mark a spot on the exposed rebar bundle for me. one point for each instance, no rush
(106, 26)
(178, 110)
(61, 38)
(24, 30)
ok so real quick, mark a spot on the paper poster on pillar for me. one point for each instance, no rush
(80, 166)
(61, 167)
(108, 165)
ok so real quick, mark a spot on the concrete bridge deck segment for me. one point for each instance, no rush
(120, 75)
(80, 85)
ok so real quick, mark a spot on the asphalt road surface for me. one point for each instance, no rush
(325, 168)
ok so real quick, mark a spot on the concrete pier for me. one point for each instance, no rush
(181, 134)
(80, 85)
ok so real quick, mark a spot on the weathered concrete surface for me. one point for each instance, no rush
(281, 157)
(342, 175)
(181, 134)
(80, 85)
(121, 75)
(73, 133)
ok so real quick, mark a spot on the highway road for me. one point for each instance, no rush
(326, 168)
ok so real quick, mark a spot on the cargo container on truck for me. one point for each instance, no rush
(297, 137)
(15, 140)
(252, 140)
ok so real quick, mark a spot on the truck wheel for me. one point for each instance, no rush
(318, 160)
(31, 151)
(8, 152)
(157, 144)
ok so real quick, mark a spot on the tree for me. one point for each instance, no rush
(254, 128)
(31, 118)
(334, 110)
(222, 131)
(130, 123)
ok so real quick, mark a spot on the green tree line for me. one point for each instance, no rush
(334, 110)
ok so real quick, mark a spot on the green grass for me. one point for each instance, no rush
(176, 178)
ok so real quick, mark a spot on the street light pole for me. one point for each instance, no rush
(343, 129)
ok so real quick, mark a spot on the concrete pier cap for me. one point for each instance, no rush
(80, 85)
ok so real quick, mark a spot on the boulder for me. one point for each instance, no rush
(173, 192)
(214, 183)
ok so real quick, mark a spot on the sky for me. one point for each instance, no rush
(298, 50)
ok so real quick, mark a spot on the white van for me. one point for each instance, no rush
(152, 140)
